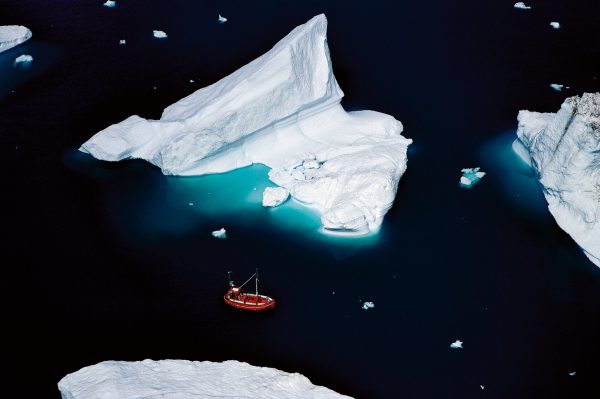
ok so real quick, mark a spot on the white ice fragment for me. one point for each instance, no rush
(555, 25)
(522, 6)
(572, 373)
(470, 176)
(221, 233)
(190, 203)
(222, 20)
(564, 148)
(191, 80)
(110, 4)
(159, 34)
(275, 110)
(556, 86)
(456, 344)
(25, 58)
(13, 35)
(482, 387)
(368, 305)
(122, 41)
(183, 379)
(274, 196)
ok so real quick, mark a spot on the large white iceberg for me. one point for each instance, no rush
(13, 35)
(182, 379)
(281, 110)
(564, 148)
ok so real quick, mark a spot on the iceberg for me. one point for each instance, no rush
(280, 110)
(13, 35)
(159, 34)
(555, 25)
(368, 305)
(564, 149)
(183, 379)
(556, 86)
(122, 41)
(522, 6)
(221, 233)
(24, 58)
(274, 196)
(222, 20)
(110, 4)
(456, 344)
(470, 176)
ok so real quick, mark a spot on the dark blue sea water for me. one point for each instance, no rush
(109, 261)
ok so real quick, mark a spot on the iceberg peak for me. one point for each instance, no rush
(13, 35)
(282, 110)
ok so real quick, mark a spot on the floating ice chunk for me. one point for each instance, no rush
(221, 233)
(368, 305)
(159, 34)
(456, 344)
(274, 196)
(572, 373)
(110, 4)
(481, 386)
(191, 80)
(222, 20)
(522, 6)
(556, 86)
(25, 58)
(275, 110)
(565, 151)
(555, 25)
(122, 41)
(190, 203)
(183, 379)
(470, 176)
(13, 35)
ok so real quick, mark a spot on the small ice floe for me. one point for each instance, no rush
(122, 41)
(482, 387)
(470, 176)
(191, 80)
(556, 86)
(23, 59)
(274, 196)
(221, 233)
(572, 373)
(522, 6)
(110, 4)
(222, 19)
(555, 25)
(368, 305)
(190, 203)
(159, 34)
(456, 344)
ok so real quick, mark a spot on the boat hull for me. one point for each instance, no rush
(250, 302)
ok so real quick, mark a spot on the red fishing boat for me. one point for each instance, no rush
(239, 299)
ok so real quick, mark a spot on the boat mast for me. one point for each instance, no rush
(229, 278)
(256, 274)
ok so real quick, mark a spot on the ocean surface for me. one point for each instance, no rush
(116, 261)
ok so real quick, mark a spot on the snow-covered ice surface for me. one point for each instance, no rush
(24, 58)
(183, 379)
(470, 176)
(522, 6)
(13, 35)
(221, 233)
(282, 110)
(159, 34)
(555, 25)
(274, 196)
(564, 149)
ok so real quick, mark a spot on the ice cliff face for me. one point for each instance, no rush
(564, 148)
(279, 110)
(13, 35)
(182, 379)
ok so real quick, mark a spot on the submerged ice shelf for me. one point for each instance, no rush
(13, 35)
(182, 379)
(282, 110)
(564, 149)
